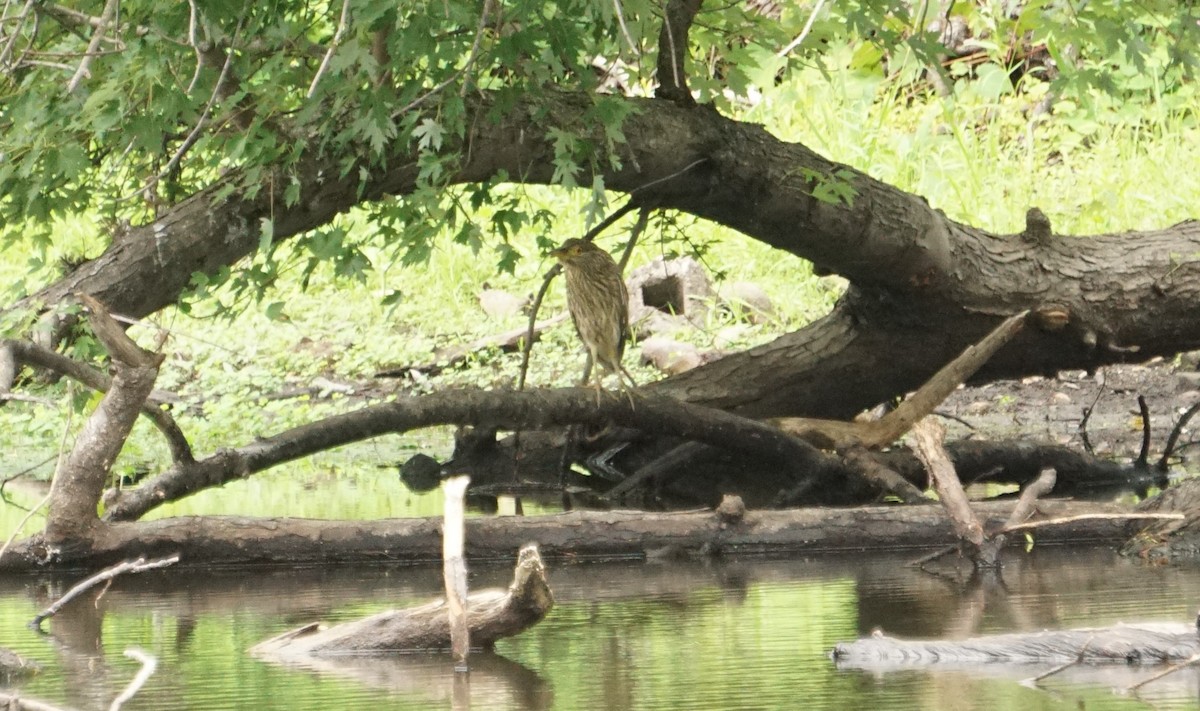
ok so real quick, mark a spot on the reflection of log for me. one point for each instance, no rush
(1148, 643)
(429, 679)
(492, 615)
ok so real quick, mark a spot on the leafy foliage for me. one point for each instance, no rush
(120, 110)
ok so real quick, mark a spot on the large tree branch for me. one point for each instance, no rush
(672, 51)
(911, 267)
(530, 410)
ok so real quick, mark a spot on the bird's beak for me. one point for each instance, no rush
(558, 253)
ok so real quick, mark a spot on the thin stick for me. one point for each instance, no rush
(1173, 438)
(1144, 455)
(343, 23)
(106, 16)
(1090, 517)
(1061, 667)
(62, 448)
(624, 29)
(1169, 670)
(454, 569)
(471, 57)
(803, 33)
(21, 525)
(149, 664)
(129, 566)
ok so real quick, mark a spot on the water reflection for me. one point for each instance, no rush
(750, 634)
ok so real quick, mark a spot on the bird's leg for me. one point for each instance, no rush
(629, 388)
(587, 370)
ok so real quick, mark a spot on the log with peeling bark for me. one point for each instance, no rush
(1145, 643)
(492, 615)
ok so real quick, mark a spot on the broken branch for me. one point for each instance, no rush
(129, 566)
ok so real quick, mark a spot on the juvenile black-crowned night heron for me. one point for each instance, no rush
(599, 306)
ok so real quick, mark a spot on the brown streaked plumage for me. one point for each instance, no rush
(599, 305)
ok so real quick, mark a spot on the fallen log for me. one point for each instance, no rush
(491, 615)
(203, 541)
(1143, 643)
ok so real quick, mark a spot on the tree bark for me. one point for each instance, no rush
(923, 286)
(79, 481)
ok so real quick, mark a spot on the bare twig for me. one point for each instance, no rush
(1087, 415)
(16, 531)
(343, 23)
(6, 53)
(149, 664)
(1029, 525)
(474, 54)
(62, 447)
(40, 356)
(13, 700)
(804, 32)
(1173, 439)
(1061, 667)
(202, 122)
(193, 16)
(634, 234)
(129, 566)
(1169, 670)
(672, 176)
(1144, 455)
(624, 29)
(106, 18)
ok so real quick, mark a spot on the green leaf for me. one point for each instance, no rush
(429, 135)
(266, 234)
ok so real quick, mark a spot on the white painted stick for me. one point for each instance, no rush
(454, 568)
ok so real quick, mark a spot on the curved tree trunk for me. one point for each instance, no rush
(924, 287)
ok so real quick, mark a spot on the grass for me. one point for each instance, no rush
(981, 162)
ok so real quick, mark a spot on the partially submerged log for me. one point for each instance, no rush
(491, 615)
(1143, 643)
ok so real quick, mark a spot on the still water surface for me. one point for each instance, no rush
(732, 634)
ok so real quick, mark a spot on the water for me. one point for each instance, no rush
(749, 634)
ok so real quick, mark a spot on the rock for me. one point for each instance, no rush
(731, 336)
(1187, 398)
(1060, 399)
(667, 294)
(731, 510)
(670, 356)
(748, 299)
(979, 407)
(499, 304)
